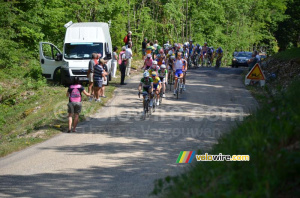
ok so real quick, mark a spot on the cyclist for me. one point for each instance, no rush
(203, 52)
(219, 55)
(161, 58)
(198, 52)
(154, 68)
(185, 52)
(156, 86)
(163, 75)
(148, 62)
(179, 66)
(147, 84)
(210, 55)
(171, 60)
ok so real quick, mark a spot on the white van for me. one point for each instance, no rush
(81, 40)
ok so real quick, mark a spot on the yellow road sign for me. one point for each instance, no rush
(256, 73)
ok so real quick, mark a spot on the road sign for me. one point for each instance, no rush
(255, 74)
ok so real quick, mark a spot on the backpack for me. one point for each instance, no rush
(125, 39)
(120, 57)
(75, 95)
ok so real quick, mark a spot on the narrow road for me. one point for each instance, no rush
(116, 154)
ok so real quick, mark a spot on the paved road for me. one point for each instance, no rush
(115, 154)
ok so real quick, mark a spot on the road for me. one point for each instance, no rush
(116, 154)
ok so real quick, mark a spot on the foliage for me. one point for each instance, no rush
(232, 24)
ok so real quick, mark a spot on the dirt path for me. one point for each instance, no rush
(115, 154)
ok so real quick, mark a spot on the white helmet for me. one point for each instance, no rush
(163, 66)
(154, 62)
(172, 57)
(146, 74)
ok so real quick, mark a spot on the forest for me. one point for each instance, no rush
(269, 25)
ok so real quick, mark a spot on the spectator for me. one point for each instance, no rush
(128, 56)
(114, 62)
(155, 44)
(144, 45)
(127, 38)
(102, 89)
(252, 61)
(98, 79)
(74, 105)
(90, 74)
(123, 65)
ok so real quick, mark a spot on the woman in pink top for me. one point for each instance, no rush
(74, 105)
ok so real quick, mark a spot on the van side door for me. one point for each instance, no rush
(50, 59)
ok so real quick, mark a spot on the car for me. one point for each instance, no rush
(81, 40)
(241, 58)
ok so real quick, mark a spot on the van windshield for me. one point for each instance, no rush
(82, 50)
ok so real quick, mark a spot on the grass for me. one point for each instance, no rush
(271, 138)
(33, 110)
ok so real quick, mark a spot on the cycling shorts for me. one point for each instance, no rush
(162, 79)
(155, 86)
(203, 52)
(178, 73)
(146, 88)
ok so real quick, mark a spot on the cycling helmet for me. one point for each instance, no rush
(161, 51)
(146, 74)
(158, 56)
(181, 50)
(154, 62)
(198, 45)
(191, 40)
(163, 66)
(172, 57)
(149, 56)
(154, 74)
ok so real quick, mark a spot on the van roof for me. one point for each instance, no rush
(87, 32)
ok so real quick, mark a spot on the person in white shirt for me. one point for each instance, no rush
(128, 56)
(155, 44)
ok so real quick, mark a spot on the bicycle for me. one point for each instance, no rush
(171, 79)
(146, 103)
(179, 87)
(196, 60)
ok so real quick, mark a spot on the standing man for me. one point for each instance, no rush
(92, 63)
(144, 45)
(127, 38)
(128, 56)
(123, 65)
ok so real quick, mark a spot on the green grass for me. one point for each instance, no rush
(271, 138)
(288, 54)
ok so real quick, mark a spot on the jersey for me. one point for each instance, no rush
(147, 82)
(191, 48)
(179, 64)
(151, 70)
(162, 73)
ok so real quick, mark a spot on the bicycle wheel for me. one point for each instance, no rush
(149, 109)
(177, 89)
(160, 96)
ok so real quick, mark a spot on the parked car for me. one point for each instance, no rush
(241, 58)
(81, 40)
